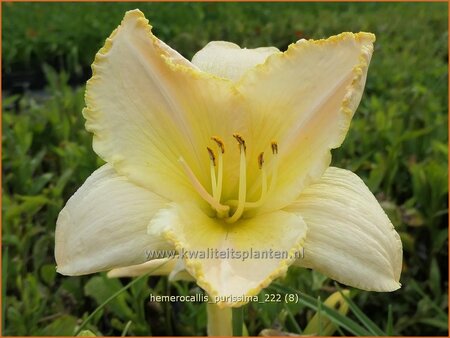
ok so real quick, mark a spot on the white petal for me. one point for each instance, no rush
(221, 256)
(147, 106)
(104, 225)
(350, 238)
(304, 99)
(228, 60)
(157, 267)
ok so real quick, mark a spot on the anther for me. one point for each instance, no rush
(274, 148)
(219, 143)
(240, 141)
(212, 157)
(261, 160)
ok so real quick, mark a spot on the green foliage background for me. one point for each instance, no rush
(397, 143)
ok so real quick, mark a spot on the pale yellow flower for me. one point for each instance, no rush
(229, 151)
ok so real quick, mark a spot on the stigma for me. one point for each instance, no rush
(232, 210)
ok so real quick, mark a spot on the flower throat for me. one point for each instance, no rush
(216, 171)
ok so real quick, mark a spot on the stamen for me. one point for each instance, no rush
(240, 141)
(239, 205)
(260, 160)
(213, 171)
(242, 181)
(274, 147)
(219, 143)
(263, 184)
(263, 176)
(211, 156)
(221, 209)
(221, 146)
(273, 180)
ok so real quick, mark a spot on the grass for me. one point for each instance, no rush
(397, 143)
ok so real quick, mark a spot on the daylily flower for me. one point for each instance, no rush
(229, 151)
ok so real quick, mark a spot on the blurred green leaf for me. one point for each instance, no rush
(86, 333)
(48, 273)
(63, 326)
(101, 288)
(332, 314)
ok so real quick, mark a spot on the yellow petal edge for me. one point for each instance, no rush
(178, 64)
(355, 89)
(195, 269)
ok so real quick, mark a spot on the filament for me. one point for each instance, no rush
(212, 165)
(221, 151)
(239, 205)
(201, 190)
(242, 181)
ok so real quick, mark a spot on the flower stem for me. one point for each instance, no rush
(219, 320)
(238, 321)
